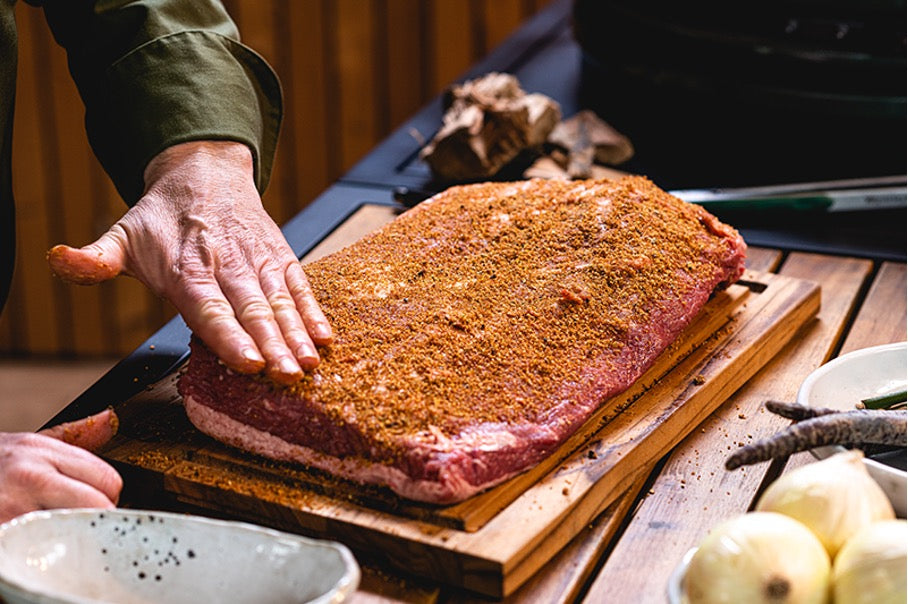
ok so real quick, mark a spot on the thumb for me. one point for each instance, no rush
(102, 260)
(90, 433)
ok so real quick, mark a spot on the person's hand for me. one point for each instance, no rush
(54, 468)
(200, 238)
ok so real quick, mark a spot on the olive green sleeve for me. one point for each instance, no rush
(154, 73)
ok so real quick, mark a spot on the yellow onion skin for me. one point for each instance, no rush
(834, 497)
(758, 558)
(871, 566)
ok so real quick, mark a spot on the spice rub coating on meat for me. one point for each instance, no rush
(477, 331)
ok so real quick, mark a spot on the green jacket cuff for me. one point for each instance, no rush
(191, 85)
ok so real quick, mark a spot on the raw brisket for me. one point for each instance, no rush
(477, 332)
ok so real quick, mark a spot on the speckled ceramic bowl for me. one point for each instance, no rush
(129, 556)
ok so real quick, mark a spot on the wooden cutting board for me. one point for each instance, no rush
(493, 542)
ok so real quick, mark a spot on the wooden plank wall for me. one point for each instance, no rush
(352, 71)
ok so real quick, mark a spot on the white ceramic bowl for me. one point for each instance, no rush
(845, 381)
(129, 556)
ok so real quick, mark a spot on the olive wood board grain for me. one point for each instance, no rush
(521, 524)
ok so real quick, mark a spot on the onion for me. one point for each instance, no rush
(834, 498)
(871, 565)
(759, 557)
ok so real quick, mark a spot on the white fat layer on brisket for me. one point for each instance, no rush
(449, 487)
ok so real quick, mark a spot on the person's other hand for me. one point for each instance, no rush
(200, 238)
(54, 468)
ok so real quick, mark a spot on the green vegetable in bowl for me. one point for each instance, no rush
(885, 401)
